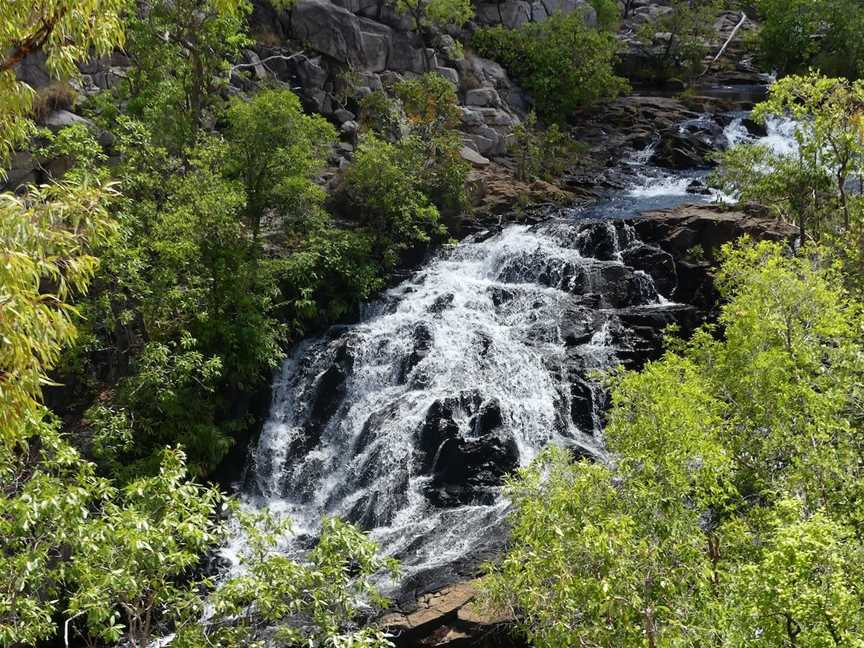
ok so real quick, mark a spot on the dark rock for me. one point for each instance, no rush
(754, 128)
(659, 265)
(582, 406)
(465, 469)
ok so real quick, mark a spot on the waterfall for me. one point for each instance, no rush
(407, 422)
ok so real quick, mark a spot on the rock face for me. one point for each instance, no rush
(515, 13)
(450, 617)
(694, 234)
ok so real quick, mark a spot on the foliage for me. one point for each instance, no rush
(314, 603)
(131, 558)
(540, 152)
(608, 15)
(383, 187)
(436, 12)
(66, 32)
(383, 115)
(561, 63)
(800, 34)
(274, 149)
(46, 237)
(726, 514)
(180, 51)
(676, 43)
(811, 185)
(180, 311)
(432, 110)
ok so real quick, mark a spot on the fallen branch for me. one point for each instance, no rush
(263, 62)
(725, 45)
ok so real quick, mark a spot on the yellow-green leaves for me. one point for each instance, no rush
(68, 32)
(730, 512)
(45, 239)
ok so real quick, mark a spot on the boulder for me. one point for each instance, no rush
(465, 468)
(657, 263)
(335, 31)
(407, 54)
(482, 97)
(450, 74)
(60, 119)
(678, 230)
(472, 156)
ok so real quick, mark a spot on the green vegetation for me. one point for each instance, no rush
(180, 51)
(540, 153)
(825, 34)
(157, 288)
(436, 12)
(65, 31)
(730, 513)
(675, 44)
(608, 15)
(561, 62)
(150, 287)
(809, 187)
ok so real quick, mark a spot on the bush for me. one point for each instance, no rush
(383, 188)
(437, 12)
(561, 62)
(432, 109)
(540, 153)
(58, 95)
(728, 514)
(608, 15)
(422, 120)
(676, 42)
(826, 34)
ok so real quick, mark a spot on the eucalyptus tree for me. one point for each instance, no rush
(66, 32)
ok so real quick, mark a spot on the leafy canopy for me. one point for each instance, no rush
(66, 32)
(730, 511)
(562, 63)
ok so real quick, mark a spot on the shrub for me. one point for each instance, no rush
(382, 114)
(383, 188)
(432, 109)
(608, 14)
(437, 12)
(58, 95)
(826, 34)
(430, 103)
(676, 43)
(561, 62)
(540, 153)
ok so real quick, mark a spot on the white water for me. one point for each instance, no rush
(483, 325)
(492, 314)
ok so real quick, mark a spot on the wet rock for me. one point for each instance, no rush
(679, 230)
(422, 344)
(582, 406)
(441, 304)
(619, 286)
(465, 469)
(659, 265)
(754, 128)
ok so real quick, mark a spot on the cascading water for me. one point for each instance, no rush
(406, 422)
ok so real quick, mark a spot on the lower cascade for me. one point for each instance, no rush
(407, 422)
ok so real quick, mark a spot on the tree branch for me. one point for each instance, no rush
(725, 45)
(263, 62)
(33, 43)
